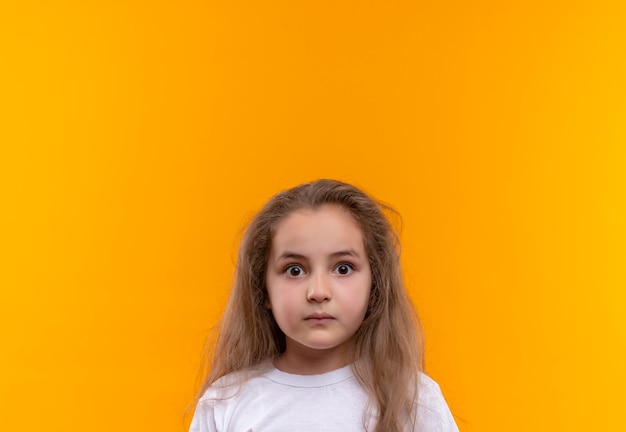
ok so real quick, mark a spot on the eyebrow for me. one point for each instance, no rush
(342, 253)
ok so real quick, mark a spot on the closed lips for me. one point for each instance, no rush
(319, 316)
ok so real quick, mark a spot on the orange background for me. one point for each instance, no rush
(137, 138)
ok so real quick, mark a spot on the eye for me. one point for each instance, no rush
(344, 269)
(294, 270)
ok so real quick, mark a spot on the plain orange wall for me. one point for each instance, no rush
(136, 138)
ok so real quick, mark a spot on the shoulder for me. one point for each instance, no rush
(433, 413)
(230, 385)
(209, 410)
(429, 389)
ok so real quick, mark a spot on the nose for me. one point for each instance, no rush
(319, 289)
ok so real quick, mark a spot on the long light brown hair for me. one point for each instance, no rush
(387, 351)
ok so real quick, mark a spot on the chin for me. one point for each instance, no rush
(322, 344)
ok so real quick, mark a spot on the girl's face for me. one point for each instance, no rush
(318, 280)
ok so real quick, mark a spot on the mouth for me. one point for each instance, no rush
(319, 317)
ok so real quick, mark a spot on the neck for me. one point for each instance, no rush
(301, 360)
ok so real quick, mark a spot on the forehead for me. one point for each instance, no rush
(326, 228)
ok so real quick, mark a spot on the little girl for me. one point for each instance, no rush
(319, 333)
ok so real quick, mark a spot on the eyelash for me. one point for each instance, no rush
(350, 266)
(291, 266)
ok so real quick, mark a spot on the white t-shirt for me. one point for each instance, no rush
(275, 401)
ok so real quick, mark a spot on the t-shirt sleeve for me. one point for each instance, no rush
(433, 414)
(203, 419)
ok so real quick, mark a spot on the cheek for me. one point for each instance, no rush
(364, 286)
(283, 306)
(355, 296)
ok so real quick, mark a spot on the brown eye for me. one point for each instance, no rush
(295, 270)
(344, 269)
